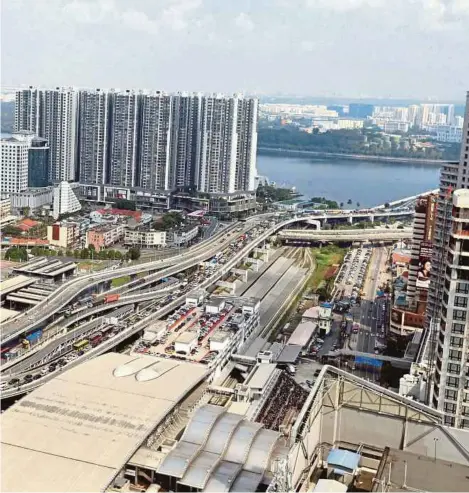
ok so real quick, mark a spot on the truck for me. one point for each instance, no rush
(32, 338)
(96, 338)
(110, 298)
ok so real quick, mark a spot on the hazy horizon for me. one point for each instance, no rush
(355, 49)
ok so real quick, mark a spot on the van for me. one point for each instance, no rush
(291, 369)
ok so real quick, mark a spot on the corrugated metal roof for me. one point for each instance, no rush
(260, 451)
(233, 447)
(222, 477)
(240, 444)
(77, 431)
(199, 471)
(246, 481)
(289, 354)
(302, 334)
(261, 375)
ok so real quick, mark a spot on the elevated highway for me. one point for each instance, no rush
(135, 328)
(44, 310)
(346, 234)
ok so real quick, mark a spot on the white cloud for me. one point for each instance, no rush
(175, 15)
(244, 21)
(308, 45)
(179, 14)
(384, 46)
(343, 5)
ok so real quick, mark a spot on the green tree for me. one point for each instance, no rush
(16, 254)
(10, 230)
(69, 253)
(349, 201)
(85, 253)
(128, 205)
(341, 205)
(60, 253)
(358, 204)
(133, 253)
(77, 253)
(26, 211)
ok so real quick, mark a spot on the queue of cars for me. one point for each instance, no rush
(353, 272)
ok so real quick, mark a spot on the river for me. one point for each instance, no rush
(367, 182)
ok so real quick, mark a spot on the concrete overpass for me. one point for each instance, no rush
(397, 362)
(44, 310)
(345, 234)
(397, 203)
(69, 291)
(129, 331)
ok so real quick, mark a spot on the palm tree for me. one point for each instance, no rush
(349, 201)
(358, 204)
(341, 205)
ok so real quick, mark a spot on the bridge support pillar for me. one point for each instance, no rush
(350, 219)
(372, 218)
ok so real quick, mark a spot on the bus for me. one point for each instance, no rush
(80, 345)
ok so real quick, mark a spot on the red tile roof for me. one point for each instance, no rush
(400, 258)
(137, 215)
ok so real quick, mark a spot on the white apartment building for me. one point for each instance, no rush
(14, 165)
(65, 200)
(5, 207)
(186, 112)
(448, 281)
(124, 139)
(53, 115)
(64, 234)
(448, 133)
(160, 239)
(154, 161)
(217, 167)
(228, 140)
(146, 239)
(349, 124)
(451, 378)
(94, 128)
(27, 109)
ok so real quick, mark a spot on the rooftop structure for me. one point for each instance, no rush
(46, 269)
(221, 451)
(14, 284)
(77, 431)
(303, 334)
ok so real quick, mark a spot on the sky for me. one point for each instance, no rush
(334, 48)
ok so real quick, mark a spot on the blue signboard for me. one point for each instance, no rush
(366, 361)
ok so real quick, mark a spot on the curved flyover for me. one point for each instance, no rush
(346, 235)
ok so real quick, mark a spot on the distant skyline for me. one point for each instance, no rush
(351, 49)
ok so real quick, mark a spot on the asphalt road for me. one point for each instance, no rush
(366, 313)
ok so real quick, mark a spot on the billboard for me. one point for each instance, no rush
(425, 265)
(427, 205)
(430, 218)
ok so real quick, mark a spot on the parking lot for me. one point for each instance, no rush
(350, 280)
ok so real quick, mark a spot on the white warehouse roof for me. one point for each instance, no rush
(78, 430)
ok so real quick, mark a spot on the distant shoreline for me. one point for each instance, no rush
(329, 155)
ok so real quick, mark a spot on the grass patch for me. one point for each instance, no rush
(325, 257)
(92, 266)
(120, 281)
